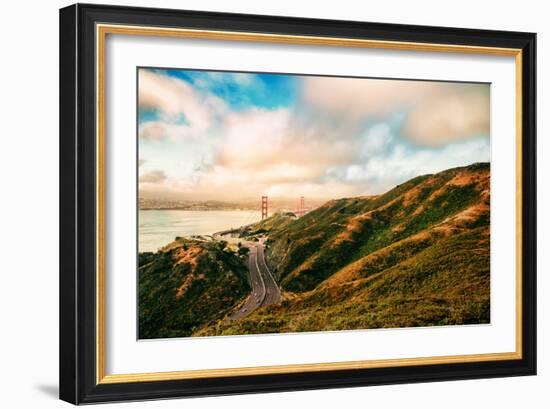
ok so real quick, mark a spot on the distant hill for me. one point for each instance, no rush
(417, 255)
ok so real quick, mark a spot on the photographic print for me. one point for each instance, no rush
(357, 199)
(276, 203)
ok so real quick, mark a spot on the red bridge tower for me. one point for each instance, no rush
(264, 207)
(302, 209)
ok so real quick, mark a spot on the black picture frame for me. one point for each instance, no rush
(78, 360)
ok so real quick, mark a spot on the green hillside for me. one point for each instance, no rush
(187, 284)
(277, 222)
(417, 255)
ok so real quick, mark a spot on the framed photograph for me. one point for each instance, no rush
(257, 203)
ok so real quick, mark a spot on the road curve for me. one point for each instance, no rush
(272, 291)
(265, 290)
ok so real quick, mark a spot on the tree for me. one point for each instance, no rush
(222, 244)
(243, 251)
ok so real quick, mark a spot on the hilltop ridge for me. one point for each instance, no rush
(417, 255)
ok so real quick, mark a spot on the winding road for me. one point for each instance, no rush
(272, 291)
(265, 290)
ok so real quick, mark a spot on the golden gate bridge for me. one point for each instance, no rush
(301, 209)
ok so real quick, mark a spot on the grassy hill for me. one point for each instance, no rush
(277, 222)
(187, 284)
(417, 255)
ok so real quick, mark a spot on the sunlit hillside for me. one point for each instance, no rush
(415, 256)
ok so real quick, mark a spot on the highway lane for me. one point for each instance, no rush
(272, 293)
(265, 290)
(256, 280)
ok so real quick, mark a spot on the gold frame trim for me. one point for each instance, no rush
(102, 30)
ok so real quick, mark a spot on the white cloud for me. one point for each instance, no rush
(175, 98)
(254, 138)
(461, 113)
(263, 152)
(258, 138)
(439, 113)
(324, 147)
(382, 172)
(376, 139)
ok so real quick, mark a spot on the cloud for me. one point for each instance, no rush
(242, 91)
(155, 176)
(457, 113)
(438, 113)
(253, 138)
(176, 99)
(276, 152)
(141, 162)
(401, 162)
(160, 130)
(338, 138)
(258, 137)
(376, 140)
(210, 79)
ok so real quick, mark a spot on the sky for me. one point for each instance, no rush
(227, 136)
